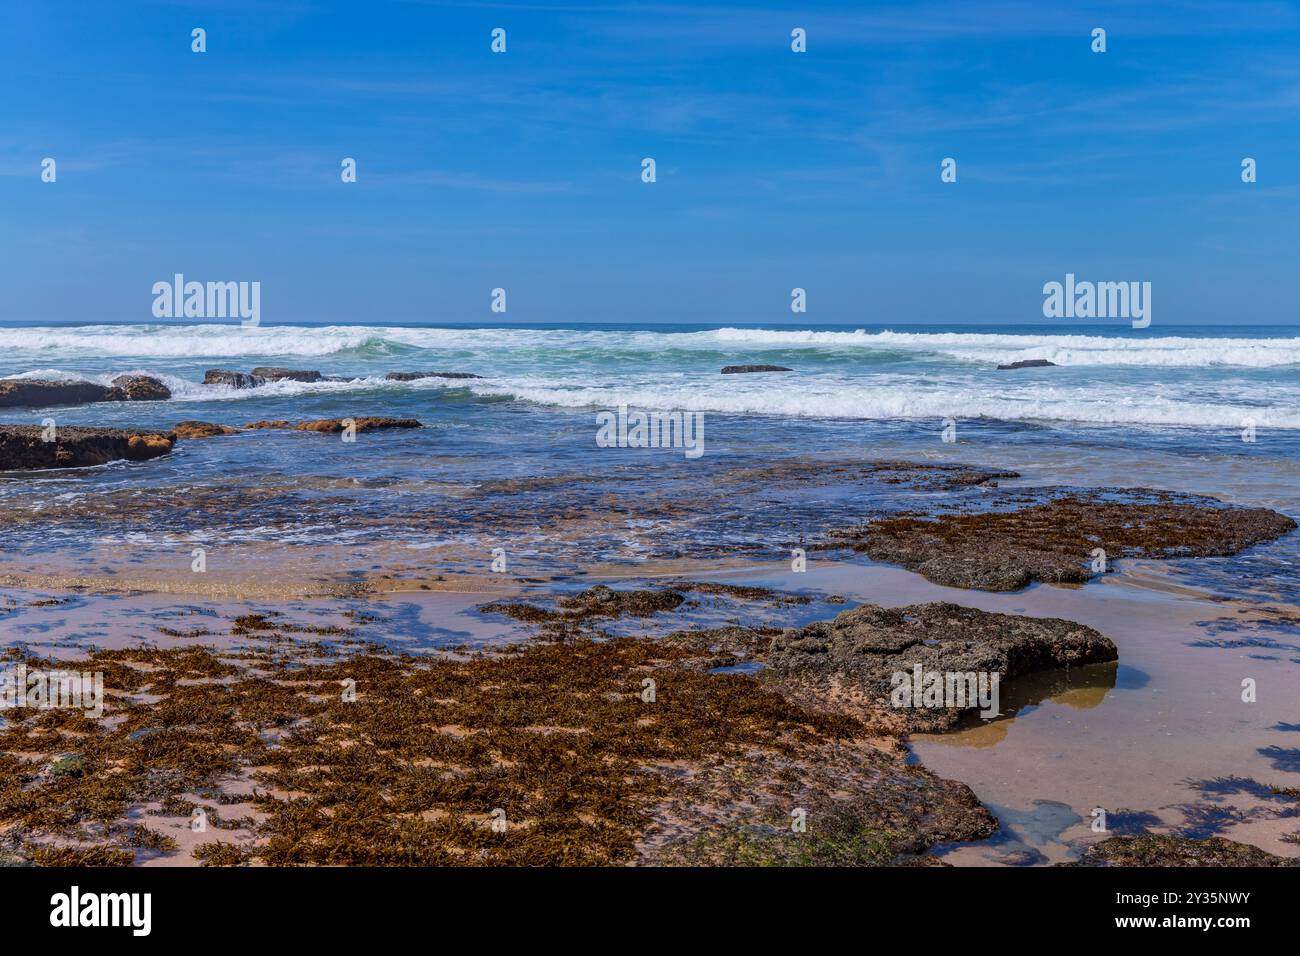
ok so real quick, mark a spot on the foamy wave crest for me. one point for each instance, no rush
(1169, 351)
(231, 342)
(899, 400)
(187, 341)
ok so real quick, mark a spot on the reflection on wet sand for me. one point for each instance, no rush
(1079, 688)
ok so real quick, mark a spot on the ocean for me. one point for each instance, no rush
(507, 491)
(505, 455)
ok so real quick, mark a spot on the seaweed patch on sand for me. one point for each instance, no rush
(1054, 542)
(590, 752)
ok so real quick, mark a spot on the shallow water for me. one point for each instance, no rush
(1162, 739)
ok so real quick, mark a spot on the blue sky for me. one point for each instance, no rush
(775, 169)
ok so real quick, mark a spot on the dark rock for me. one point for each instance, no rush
(1053, 542)
(413, 376)
(38, 393)
(22, 446)
(139, 388)
(1176, 851)
(290, 374)
(848, 662)
(192, 429)
(741, 369)
(1028, 363)
(221, 376)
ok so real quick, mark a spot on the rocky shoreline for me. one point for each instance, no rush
(602, 741)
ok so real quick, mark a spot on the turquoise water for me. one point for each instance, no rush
(1204, 377)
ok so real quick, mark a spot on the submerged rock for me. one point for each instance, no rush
(40, 393)
(273, 374)
(362, 424)
(23, 446)
(1154, 850)
(1028, 363)
(849, 662)
(577, 612)
(604, 601)
(414, 376)
(1055, 542)
(139, 388)
(222, 376)
(742, 369)
(193, 429)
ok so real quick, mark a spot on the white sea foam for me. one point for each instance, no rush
(850, 374)
(227, 341)
(900, 400)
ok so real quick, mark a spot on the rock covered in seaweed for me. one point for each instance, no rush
(1055, 542)
(1158, 850)
(139, 388)
(849, 662)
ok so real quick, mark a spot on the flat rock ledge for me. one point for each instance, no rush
(1027, 363)
(22, 447)
(195, 429)
(847, 663)
(1152, 850)
(416, 376)
(362, 423)
(1055, 542)
(264, 374)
